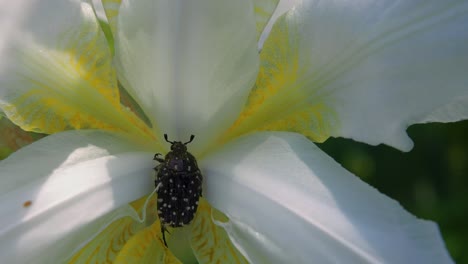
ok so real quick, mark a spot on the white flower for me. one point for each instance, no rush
(362, 69)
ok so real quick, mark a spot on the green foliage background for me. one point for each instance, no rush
(430, 181)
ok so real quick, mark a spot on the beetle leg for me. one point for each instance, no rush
(157, 158)
(163, 230)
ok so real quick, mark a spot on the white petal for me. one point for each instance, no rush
(189, 64)
(380, 66)
(56, 68)
(291, 203)
(282, 7)
(264, 9)
(56, 193)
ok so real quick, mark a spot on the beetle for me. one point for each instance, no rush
(178, 186)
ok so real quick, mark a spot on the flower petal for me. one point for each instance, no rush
(58, 77)
(282, 7)
(210, 243)
(111, 8)
(106, 245)
(288, 202)
(264, 9)
(146, 247)
(363, 69)
(189, 64)
(65, 188)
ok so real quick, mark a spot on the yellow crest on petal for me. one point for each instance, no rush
(69, 86)
(146, 247)
(283, 99)
(105, 247)
(69, 83)
(210, 243)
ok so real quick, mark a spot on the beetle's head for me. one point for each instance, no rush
(178, 146)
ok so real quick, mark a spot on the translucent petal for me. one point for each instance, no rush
(64, 189)
(111, 8)
(189, 64)
(264, 9)
(58, 77)
(210, 243)
(362, 69)
(288, 202)
(282, 7)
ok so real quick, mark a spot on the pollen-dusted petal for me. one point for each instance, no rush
(64, 189)
(189, 64)
(56, 70)
(210, 243)
(279, 101)
(146, 247)
(362, 69)
(288, 202)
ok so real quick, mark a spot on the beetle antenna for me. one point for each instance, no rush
(165, 137)
(191, 138)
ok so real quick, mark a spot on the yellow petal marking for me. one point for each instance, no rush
(146, 247)
(108, 243)
(263, 10)
(55, 82)
(210, 243)
(70, 86)
(105, 247)
(283, 98)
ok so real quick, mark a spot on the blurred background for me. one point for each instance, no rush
(430, 181)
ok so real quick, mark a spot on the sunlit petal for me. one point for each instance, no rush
(63, 189)
(189, 64)
(288, 202)
(56, 73)
(362, 69)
